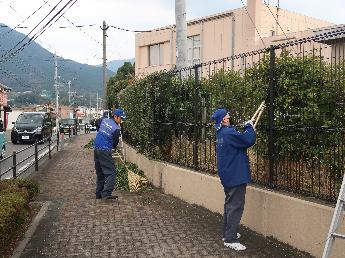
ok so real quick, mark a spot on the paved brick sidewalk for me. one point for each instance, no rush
(149, 224)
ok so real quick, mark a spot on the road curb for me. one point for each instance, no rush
(31, 230)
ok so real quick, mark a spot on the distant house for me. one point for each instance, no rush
(222, 35)
(3, 95)
(4, 108)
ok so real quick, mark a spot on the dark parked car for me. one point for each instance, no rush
(31, 127)
(92, 125)
(68, 125)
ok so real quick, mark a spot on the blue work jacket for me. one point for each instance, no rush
(232, 158)
(107, 136)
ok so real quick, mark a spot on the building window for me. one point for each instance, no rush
(194, 50)
(156, 55)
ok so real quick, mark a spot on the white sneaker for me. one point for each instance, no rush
(235, 246)
(238, 237)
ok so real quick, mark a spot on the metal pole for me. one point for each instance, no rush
(153, 122)
(196, 121)
(105, 75)
(5, 121)
(233, 33)
(90, 111)
(36, 157)
(49, 144)
(181, 34)
(57, 142)
(69, 93)
(14, 163)
(97, 104)
(272, 83)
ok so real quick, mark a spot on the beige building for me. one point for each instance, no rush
(222, 35)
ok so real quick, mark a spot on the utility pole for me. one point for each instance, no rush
(181, 34)
(100, 104)
(277, 18)
(105, 75)
(90, 110)
(97, 104)
(57, 98)
(69, 93)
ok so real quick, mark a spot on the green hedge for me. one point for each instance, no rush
(15, 195)
(309, 93)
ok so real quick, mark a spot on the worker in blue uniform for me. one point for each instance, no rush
(234, 172)
(106, 140)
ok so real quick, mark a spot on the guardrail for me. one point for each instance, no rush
(20, 161)
(24, 159)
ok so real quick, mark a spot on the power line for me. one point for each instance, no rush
(12, 8)
(20, 64)
(253, 24)
(128, 30)
(277, 22)
(42, 30)
(58, 27)
(275, 18)
(81, 26)
(88, 25)
(77, 26)
(17, 26)
(26, 36)
(9, 74)
(49, 22)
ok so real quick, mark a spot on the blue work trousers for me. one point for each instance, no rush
(105, 171)
(233, 210)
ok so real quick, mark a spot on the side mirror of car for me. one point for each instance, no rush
(13, 123)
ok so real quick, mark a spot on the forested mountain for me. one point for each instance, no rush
(33, 68)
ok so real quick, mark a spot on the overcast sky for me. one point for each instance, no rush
(84, 44)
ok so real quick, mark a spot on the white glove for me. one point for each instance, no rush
(249, 122)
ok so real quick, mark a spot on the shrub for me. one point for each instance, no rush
(121, 177)
(15, 195)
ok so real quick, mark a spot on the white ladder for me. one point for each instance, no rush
(338, 212)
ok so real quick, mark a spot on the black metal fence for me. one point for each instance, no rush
(301, 136)
(19, 162)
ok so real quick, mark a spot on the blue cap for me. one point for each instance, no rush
(218, 116)
(119, 112)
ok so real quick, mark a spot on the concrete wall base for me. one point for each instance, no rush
(300, 223)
